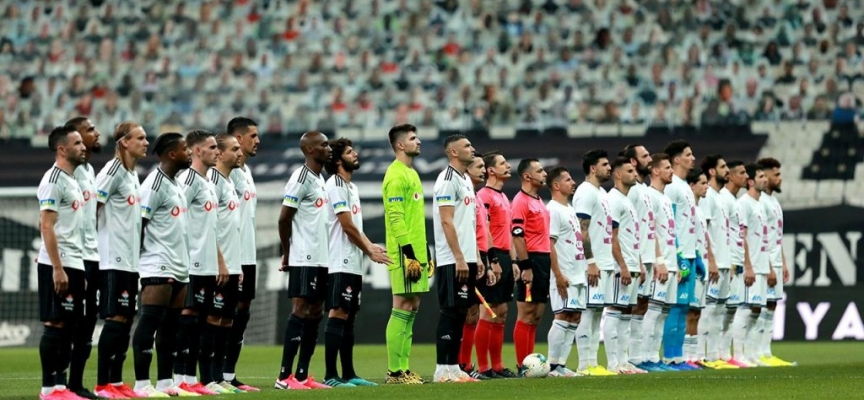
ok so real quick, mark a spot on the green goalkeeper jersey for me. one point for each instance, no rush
(404, 212)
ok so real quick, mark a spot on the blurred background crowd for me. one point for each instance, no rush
(451, 64)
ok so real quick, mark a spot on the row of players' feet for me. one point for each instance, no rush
(731, 363)
(292, 383)
(122, 391)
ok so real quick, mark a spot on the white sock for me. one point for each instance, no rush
(569, 337)
(726, 333)
(658, 333)
(768, 335)
(117, 384)
(142, 384)
(650, 321)
(596, 326)
(46, 390)
(751, 342)
(556, 339)
(178, 379)
(635, 345)
(191, 379)
(583, 339)
(163, 384)
(610, 337)
(712, 339)
(690, 342)
(59, 387)
(740, 327)
(703, 328)
(229, 377)
(624, 339)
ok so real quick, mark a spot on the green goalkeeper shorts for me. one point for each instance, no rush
(402, 285)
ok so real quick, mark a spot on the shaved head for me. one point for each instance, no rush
(311, 139)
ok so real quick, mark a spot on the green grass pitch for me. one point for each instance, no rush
(826, 370)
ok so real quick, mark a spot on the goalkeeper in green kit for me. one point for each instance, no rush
(405, 224)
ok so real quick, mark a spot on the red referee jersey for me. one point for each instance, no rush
(531, 216)
(482, 222)
(500, 216)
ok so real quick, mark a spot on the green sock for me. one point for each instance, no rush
(409, 339)
(396, 328)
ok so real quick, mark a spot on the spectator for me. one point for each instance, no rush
(820, 110)
(772, 54)
(767, 110)
(788, 76)
(794, 111)
(845, 112)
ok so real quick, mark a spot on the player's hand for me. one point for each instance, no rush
(772, 278)
(626, 278)
(661, 273)
(786, 276)
(61, 281)
(481, 270)
(284, 266)
(222, 276)
(496, 269)
(413, 269)
(240, 280)
(491, 278)
(516, 272)
(379, 255)
(593, 275)
(562, 284)
(749, 277)
(713, 272)
(461, 271)
(527, 276)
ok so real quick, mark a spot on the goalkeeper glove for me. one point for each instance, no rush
(430, 264)
(413, 269)
(683, 266)
(700, 267)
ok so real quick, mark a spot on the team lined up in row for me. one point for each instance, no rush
(186, 234)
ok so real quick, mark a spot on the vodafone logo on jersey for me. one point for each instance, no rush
(87, 196)
(76, 205)
(355, 209)
(176, 211)
(207, 206)
(131, 200)
(232, 205)
(416, 196)
(319, 203)
(467, 200)
(247, 195)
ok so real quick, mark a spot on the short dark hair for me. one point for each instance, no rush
(752, 169)
(591, 158)
(198, 136)
(74, 122)
(694, 174)
(240, 125)
(657, 158)
(338, 146)
(489, 157)
(524, 164)
(124, 128)
(629, 151)
(734, 164)
(166, 142)
(453, 138)
(58, 136)
(710, 162)
(723, 82)
(398, 131)
(221, 139)
(554, 175)
(675, 148)
(768, 163)
(620, 162)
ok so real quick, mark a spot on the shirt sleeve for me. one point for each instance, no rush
(190, 187)
(708, 207)
(338, 198)
(106, 184)
(49, 197)
(617, 210)
(583, 202)
(445, 194)
(743, 214)
(555, 225)
(393, 191)
(150, 201)
(520, 211)
(294, 192)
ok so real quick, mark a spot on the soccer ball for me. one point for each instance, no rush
(536, 365)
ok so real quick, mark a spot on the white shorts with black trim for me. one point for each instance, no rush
(665, 292)
(736, 288)
(645, 287)
(601, 295)
(624, 296)
(775, 293)
(576, 298)
(756, 295)
(698, 299)
(718, 292)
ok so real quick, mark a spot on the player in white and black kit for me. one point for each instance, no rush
(694, 339)
(348, 247)
(456, 254)
(757, 268)
(595, 221)
(729, 201)
(246, 132)
(774, 215)
(208, 273)
(164, 265)
(119, 236)
(60, 264)
(641, 199)
(82, 344)
(626, 238)
(568, 294)
(305, 256)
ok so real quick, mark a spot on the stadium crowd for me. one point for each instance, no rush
(451, 64)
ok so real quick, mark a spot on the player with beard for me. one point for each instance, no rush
(489, 335)
(649, 253)
(717, 221)
(729, 201)
(164, 266)
(303, 234)
(60, 263)
(119, 237)
(595, 221)
(774, 215)
(246, 132)
(476, 172)
(82, 344)
(348, 245)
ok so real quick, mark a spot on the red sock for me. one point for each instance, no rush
(532, 338)
(496, 344)
(482, 337)
(521, 339)
(467, 344)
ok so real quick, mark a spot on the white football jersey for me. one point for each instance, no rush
(702, 238)
(684, 206)
(202, 203)
(753, 219)
(717, 217)
(624, 218)
(344, 197)
(165, 253)
(86, 178)
(228, 220)
(453, 189)
(564, 229)
(308, 244)
(590, 202)
(59, 192)
(736, 231)
(119, 220)
(641, 200)
(665, 222)
(248, 195)
(774, 216)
